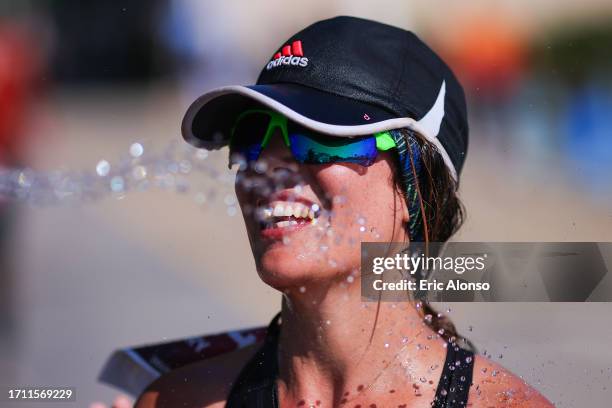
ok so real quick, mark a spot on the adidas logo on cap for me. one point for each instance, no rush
(289, 55)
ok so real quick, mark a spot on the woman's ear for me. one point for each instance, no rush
(404, 206)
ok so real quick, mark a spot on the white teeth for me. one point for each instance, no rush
(297, 211)
(282, 224)
(288, 209)
(278, 211)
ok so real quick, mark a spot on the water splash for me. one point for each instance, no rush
(141, 170)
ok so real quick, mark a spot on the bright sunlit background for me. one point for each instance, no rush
(81, 81)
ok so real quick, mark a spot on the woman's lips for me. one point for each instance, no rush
(283, 213)
(280, 218)
(283, 227)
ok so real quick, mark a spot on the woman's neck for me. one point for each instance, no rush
(332, 343)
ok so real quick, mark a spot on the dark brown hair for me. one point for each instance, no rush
(442, 214)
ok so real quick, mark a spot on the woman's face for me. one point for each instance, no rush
(350, 204)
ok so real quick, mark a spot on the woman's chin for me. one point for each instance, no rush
(283, 271)
(282, 275)
(288, 273)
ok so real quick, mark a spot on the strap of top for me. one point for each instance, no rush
(255, 386)
(256, 383)
(456, 378)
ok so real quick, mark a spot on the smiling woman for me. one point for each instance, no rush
(365, 144)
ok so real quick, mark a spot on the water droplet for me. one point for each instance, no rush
(200, 198)
(468, 360)
(201, 154)
(172, 168)
(261, 166)
(24, 180)
(339, 199)
(229, 199)
(350, 279)
(139, 172)
(286, 240)
(302, 289)
(136, 150)
(117, 184)
(103, 168)
(185, 166)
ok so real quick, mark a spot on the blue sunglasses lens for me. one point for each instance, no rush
(310, 148)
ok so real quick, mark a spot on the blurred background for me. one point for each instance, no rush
(82, 81)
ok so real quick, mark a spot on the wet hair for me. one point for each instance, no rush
(436, 212)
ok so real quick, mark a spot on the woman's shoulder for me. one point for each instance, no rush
(203, 384)
(494, 385)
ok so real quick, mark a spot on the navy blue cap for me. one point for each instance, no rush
(346, 77)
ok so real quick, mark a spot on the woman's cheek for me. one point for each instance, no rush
(362, 200)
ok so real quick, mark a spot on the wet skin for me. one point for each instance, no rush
(334, 350)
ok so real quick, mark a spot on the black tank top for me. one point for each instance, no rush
(255, 386)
